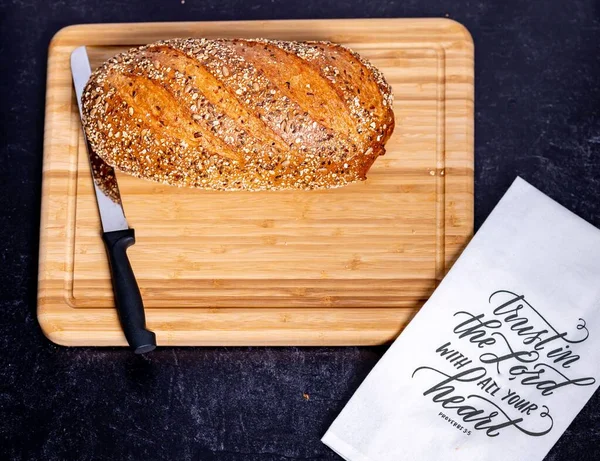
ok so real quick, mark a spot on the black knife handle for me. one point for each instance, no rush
(128, 299)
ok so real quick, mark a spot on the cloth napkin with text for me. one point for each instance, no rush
(502, 357)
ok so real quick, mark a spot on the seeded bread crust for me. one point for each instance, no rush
(239, 114)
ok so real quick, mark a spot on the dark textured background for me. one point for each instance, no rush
(537, 115)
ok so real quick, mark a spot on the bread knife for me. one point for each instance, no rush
(117, 235)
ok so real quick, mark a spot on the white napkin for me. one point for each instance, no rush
(450, 388)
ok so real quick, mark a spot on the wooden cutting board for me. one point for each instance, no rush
(338, 267)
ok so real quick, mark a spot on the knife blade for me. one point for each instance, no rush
(117, 235)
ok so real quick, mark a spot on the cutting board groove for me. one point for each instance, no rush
(338, 267)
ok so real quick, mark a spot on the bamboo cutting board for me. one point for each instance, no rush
(338, 267)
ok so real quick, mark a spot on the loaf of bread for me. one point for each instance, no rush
(239, 114)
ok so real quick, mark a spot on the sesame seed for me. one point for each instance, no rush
(130, 110)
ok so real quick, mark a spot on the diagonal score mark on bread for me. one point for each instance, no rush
(302, 84)
(168, 118)
(211, 91)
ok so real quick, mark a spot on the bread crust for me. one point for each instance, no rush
(239, 114)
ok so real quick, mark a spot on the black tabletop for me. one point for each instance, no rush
(537, 116)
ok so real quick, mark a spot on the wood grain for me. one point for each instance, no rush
(336, 267)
